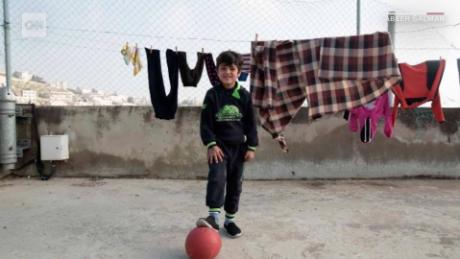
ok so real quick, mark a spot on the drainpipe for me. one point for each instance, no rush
(8, 156)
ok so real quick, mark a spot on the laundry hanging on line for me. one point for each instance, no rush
(333, 74)
(420, 84)
(211, 69)
(245, 68)
(365, 118)
(246, 58)
(136, 61)
(126, 53)
(164, 106)
(131, 56)
(190, 77)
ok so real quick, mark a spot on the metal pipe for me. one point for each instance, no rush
(358, 17)
(6, 33)
(8, 156)
(391, 27)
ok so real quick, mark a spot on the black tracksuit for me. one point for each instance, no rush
(227, 120)
(165, 106)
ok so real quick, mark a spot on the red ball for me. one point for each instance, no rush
(203, 243)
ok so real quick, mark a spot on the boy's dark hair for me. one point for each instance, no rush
(229, 58)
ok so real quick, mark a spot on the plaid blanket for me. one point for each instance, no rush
(333, 74)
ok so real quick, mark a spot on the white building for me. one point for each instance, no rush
(98, 92)
(23, 76)
(100, 101)
(29, 96)
(57, 103)
(82, 103)
(83, 90)
(29, 93)
(142, 101)
(118, 100)
(61, 97)
(60, 85)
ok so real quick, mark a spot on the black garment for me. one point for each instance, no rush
(229, 174)
(165, 106)
(366, 131)
(211, 69)
(227, 116)
(190, 77)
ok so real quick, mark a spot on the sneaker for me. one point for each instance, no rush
(209, 222)
(233, 230)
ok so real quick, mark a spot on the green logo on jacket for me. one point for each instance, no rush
(229, 113)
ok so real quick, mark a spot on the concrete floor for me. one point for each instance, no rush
(145, 218)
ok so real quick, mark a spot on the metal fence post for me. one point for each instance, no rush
(391, 27)
(6, 35)
(358, 17)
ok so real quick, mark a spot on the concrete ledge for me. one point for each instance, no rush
(126, 142)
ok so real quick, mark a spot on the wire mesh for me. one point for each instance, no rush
(68, 53)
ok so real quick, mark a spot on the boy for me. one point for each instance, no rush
(228, 128)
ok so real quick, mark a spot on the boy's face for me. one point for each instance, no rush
(228, 74)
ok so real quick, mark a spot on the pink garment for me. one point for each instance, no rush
(381, 108)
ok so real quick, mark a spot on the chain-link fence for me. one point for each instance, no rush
(68, 53)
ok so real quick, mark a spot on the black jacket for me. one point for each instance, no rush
(227, 116)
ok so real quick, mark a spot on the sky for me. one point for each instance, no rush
(83, 38)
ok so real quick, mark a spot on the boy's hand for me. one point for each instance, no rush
(215, 154)
(249, 155)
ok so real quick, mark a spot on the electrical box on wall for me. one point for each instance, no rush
(54, 147)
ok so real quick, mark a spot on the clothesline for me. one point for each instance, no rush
(333, 74)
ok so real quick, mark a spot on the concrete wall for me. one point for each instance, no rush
(126, 142)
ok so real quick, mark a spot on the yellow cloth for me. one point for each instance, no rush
(126, 53)
(136, 61)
